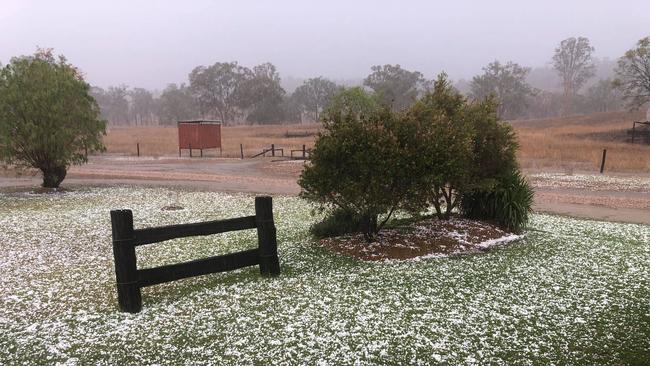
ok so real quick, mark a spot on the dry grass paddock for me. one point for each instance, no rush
(159, 141)
(565, 144)
(577, 143)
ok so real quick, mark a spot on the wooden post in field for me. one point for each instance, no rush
(266, 236)
(303, 151)
(602, 163)
(137, 147)
(241, 149)
(272, 149)
(128, 290)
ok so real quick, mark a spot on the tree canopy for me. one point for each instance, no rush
(113, 103)
(48, 119)
(143, 106)
(262, 95)
(508, 83)
(395, 86)
(176, 104)
(314, 95)
(603, 96)
(218, 90)
(633, 74)
(573, 62)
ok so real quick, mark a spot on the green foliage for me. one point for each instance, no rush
(603, 96)
(370, 161)
(395, 87)
(356, 164)
(47, 116)
(494, 189)
(263, 95)
(113, 103)
(337, 222)
(351, 101)
(218, 89)
(509, 203)
(440, 147)
(494, 145)
(292, 109)
(229, 90)
(506, 82)
(143, 107)
(633, 74)
(314, 95)
(573, 62)
(457, 147)
(176, 104)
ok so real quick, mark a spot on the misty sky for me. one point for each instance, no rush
(152, 43)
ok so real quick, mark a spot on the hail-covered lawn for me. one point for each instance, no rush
(592, 182)
(571, 292)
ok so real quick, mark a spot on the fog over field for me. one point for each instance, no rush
(152, 43)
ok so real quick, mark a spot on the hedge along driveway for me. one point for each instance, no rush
(572, 292)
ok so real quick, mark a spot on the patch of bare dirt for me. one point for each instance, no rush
(284, 168)
(424, 239)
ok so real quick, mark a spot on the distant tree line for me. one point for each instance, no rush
(575, 83)
(226, 91)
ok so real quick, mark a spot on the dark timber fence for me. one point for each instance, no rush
(130, 279)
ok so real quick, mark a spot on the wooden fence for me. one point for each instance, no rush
(271, 150)
(643, 131)
(130, 279)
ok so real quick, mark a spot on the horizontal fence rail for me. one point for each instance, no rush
(130, 279)
(158, 234)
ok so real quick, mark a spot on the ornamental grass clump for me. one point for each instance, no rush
(509, 203)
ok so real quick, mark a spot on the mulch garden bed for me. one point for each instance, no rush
(428, 238)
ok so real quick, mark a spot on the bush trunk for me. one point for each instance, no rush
(53, 176)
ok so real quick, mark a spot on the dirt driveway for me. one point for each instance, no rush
(624, 198)
(230, 175)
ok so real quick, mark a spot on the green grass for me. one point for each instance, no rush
(572, 292)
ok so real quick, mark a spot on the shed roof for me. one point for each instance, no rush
(201, 121)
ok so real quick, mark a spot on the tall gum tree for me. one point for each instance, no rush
(573, 62)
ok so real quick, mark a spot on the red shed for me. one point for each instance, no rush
(199, 134)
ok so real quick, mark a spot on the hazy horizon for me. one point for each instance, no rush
(150, 44)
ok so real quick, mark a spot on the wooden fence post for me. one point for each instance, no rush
(137, 146)
(602, 163)
(272, 149)
(266, 236)
(241, 149)
(129, 296)
(303, 151)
